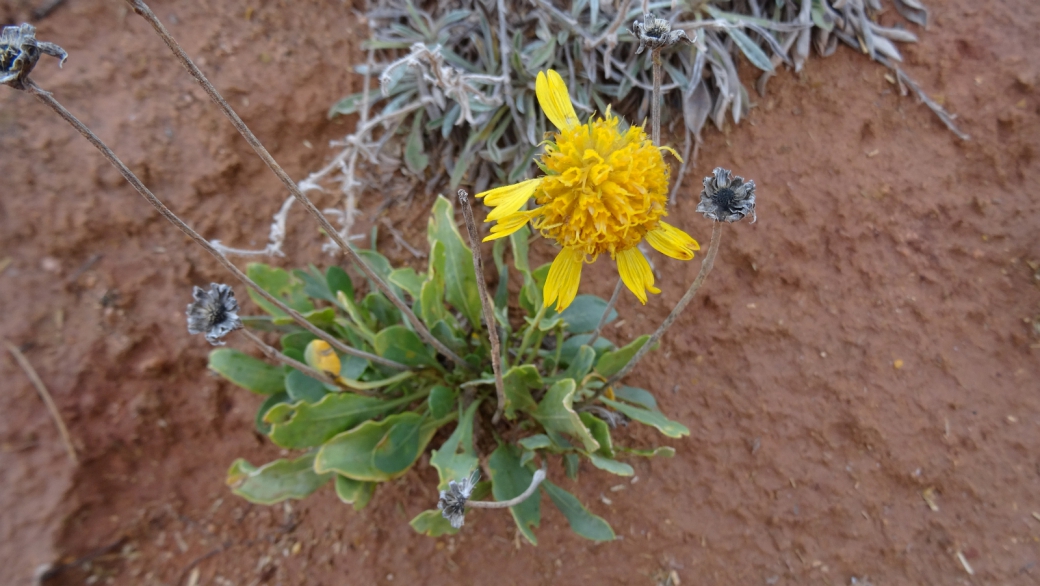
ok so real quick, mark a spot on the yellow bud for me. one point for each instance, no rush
(320, 356)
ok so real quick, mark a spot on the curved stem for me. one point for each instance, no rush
(420, 328)
(606, 313)
(485, 304)
(709, 262)
(539, 476)
(136, 183)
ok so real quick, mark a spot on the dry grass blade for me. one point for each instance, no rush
(45, 395)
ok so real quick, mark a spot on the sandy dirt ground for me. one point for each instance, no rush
(872, 340)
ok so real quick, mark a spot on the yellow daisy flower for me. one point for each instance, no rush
(605, 191)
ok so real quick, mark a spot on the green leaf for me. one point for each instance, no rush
(352, 103)
(584, 313)
(304, 388)
(571, 345)
(279, 283)
(454, 261)
(502, 293)
(571, 465)
(432, 524)
(323, 318)
(338, 280)
(354, 492)
(753, 52)
(352, 366)
(400, 344)
(268, 404)
(582, 521)
(557, 415)
(663, 451)
(276, 481)
(610, 465)
(819, 16)
(509, 480)
(377, 451)
(431, 297)
(414, 153)
(314, 284)
(247, 372)
(654, 418)
(581, 364)
(612, 362)
(601, 432)
(298, 340)
(456, 458)
(408, 280)
(518, 382)
(379, 307)
(535, 442)
(637, 396)
(304, 425)
(442, 401)
(381, 266)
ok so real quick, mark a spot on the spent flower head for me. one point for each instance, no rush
(604, 191)
(727, 198)
(214, 313)
(452, 503)
(656, 33)
(19, 52)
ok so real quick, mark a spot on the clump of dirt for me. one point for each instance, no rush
(859, 374)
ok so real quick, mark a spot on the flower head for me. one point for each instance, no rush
(726, 198)
(604, 192)
(19, 52)
(656, 33)
(452, 503)
(214, 313)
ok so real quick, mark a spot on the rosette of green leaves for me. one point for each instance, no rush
(376, 424)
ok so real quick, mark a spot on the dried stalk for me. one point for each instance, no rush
(45, 395)
(136, 183)
(420, 328)
(272, 353)
(606, 313)
(709, 262)
(485, 303)
(539, 476)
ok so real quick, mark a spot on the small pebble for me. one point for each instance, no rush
(897, 363)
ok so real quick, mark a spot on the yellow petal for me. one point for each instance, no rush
(635, 272)
(671, 241)
(320, 356)
(509, 198)
(555, 100)
(561, 285)
(670, 150)
(510, 224)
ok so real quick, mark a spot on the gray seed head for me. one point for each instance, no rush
(19, 52)
(727, 198)
(452, 503)
(656, 33)
(214, 313)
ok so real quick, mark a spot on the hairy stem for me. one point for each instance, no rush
(606, 313)
(706, 265)
(655, 105)
(485, 303)
(136, 183)
(539, 476)
(420, 328)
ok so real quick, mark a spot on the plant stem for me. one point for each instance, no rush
(539, 476)
(655, 105)
(274, 354)
(527, 335)
(141, 8)
(136, 183)
(45, 396)
(606, 313)
(485, 303)
(709, 262)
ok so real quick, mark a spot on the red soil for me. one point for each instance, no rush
(882, 241)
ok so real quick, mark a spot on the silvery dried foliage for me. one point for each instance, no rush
(19, 52)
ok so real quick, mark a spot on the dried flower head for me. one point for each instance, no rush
(727, 198)
(452, 503)
(604, 192)
(656, 33)
(214, 313)
(19, 52)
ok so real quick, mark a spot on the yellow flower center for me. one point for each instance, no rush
(606, 188)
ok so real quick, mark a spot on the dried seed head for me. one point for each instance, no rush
(727, 198)
(656, 33)
(452, 503)
(19, 52)
(214, 313)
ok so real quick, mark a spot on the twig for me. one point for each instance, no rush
(655, 105)
(485, 303)
(606, 313)
(539, 476)
(132, 179)
(274, 354)
(420, 328)
(46, 396)
(706, 265)
(400, 239)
